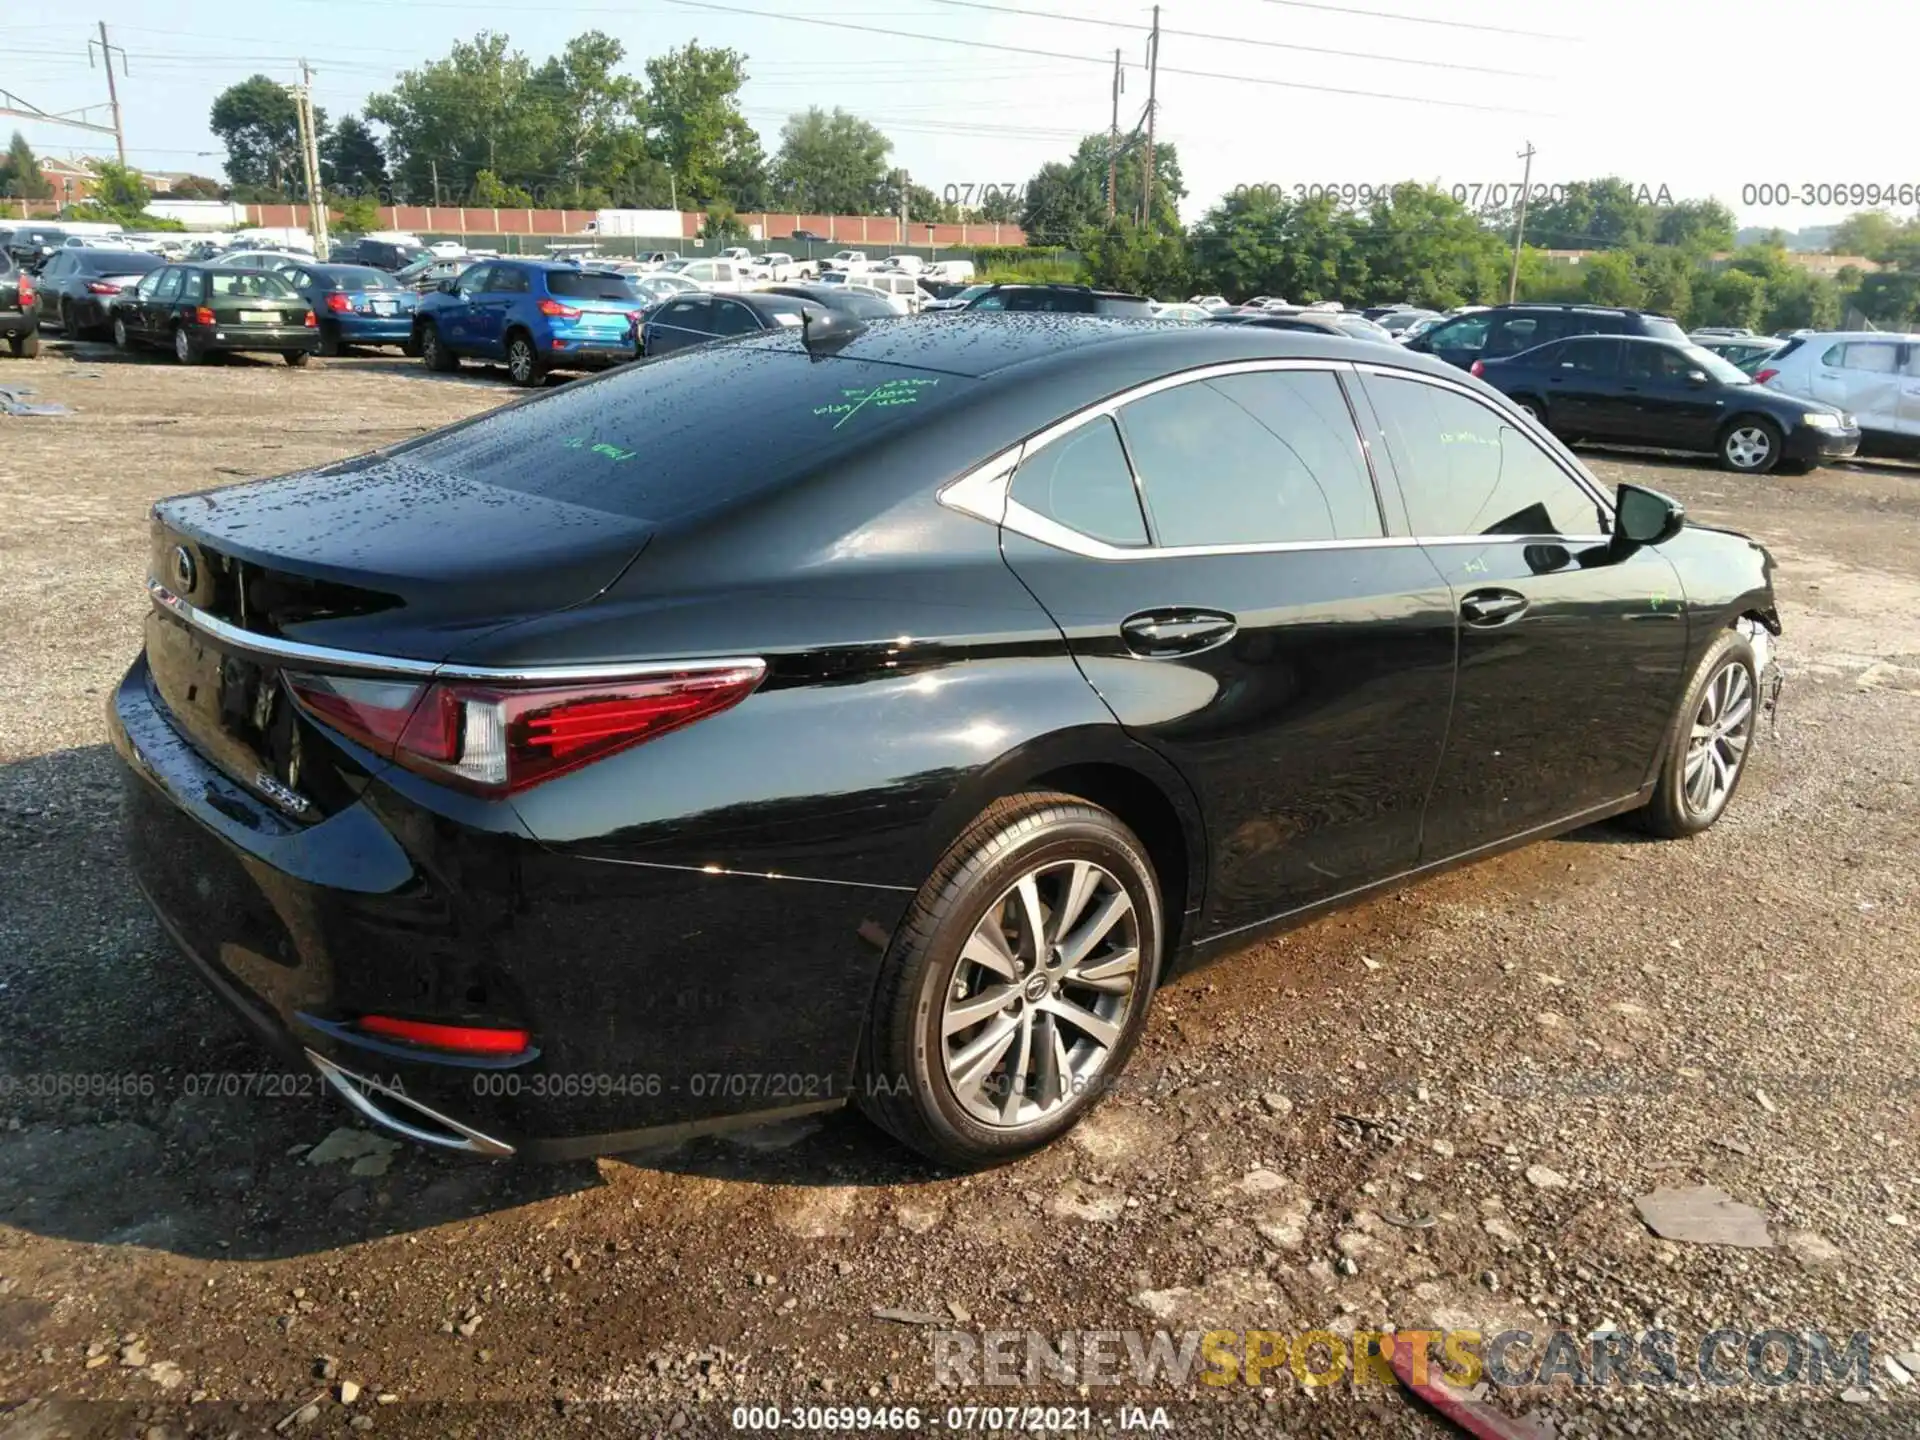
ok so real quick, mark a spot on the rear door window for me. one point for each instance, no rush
(1595, 357)
(168, 289)
(1511, 334)
(1876, 357)
(1269, 457)
(730, 318)
(1468, 333)
(1081, 480)
(507, 280)
(1465, 470)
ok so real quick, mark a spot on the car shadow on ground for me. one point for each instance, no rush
(135, 1110)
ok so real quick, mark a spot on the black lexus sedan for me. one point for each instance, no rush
(884, 713)
(1671, 395)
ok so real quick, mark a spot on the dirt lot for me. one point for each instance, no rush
(1517, 1050)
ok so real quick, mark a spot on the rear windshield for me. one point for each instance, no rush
(358, 277)
(590, 285)
(861, 307)
(692, 431)
(1123, 307)
(250, 285)
(1664, 329)
(118, 262)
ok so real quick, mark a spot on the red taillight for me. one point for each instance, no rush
(337, 301)
(558, 311)
(464, 1039)
(204, 316)
(101, 287)
(1477, 370)
(1762, 376)
(311, 322)
(26, 291)
(497, 741)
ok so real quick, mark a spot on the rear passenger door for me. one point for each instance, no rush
(1571, 657)
(156, 311)
(1216, 555)
(1583, 388)
(683, 322)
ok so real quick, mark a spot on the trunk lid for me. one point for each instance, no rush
(378, 557)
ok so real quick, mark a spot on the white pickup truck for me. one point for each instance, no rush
(844, 260)
(781, 268)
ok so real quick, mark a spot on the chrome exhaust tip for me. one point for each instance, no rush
(359, 1092)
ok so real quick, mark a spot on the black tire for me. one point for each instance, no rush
(330, 343)
(24, 347)
(67, 326)
(1795, 467)
(121, 339)
(523, 361)
(1750, 445)
(184, 350)
(1535, 410)
(434, 352)
(296, 358)
(1674, 812)
(902, 1083)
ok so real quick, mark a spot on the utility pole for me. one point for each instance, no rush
(1113, 139)
(113, 94)
(1520, 228)
(310, 158)
(1153, 78)
(905, 234)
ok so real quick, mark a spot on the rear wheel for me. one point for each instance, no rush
(1017, 985)
(434, 353)
(24, 347)
(184, 350)
(1750, 445)
(330, 345)
(68, 326)
(1707, 748)
(523, 363)
(120, 337)
(296, 358)
(1536, 412)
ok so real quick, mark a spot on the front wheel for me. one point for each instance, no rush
(434, 353)
(1016, 986)
(523, 365)
(1750, 446)
(1708, 745)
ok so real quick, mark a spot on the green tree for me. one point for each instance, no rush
(1593, 215)
(489, 189)
(1254, 243)
(927, 208)
(1872, 233)
(255, 121)
(351, 161)
(357, 214)
(1126, 256)
(1697, 225)
(1734, 297)
(20, 176)
(1799, 299)
(1066, 200)
(1890, 298)
(475, 110)
(1667, 273)
(1418, 243)
(595, 110)
(693, 116)
(833, 163)
(1611, 278)
(197, 187)
(721, 223)
(120, 189)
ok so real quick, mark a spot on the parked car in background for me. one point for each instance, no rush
(1060, 300)
(811, 236)
(1210, 302)
(1398, 322)
(1502, 330)
(903, 264)
(899, 289)
(844, 260)
(536, 315)
(654, 259)
(447, 249)
(30, 242)
(580, 703)
(355, 304)
(1874, 374)
(1323, 322)
(74, 287)
(198, 310)
(720, 276)
(959, 300)
(780, 267)
(853, 301)
(696, 319)
(1736, 349)
(1671, 395)
(659, 285)
(19, 315)
(383, 254)
(951, 272)
(263, 259)
(424, 275)
(1178, 310)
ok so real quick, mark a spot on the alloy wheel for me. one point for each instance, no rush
(1718, 746)
(520, 362)
(1041, 994)
(182, 347)
(1748, 447)
(119, 332)
(430, 347)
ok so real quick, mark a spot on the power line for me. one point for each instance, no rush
(1236, 39)
(1417, 19)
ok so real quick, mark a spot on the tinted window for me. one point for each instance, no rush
(507, 280)
(1251, 459)
(861, 307)
(732, 319)
(1511, 334)
(265, 285)
(1469, 332)
(473, 281)
(688, 315)
(56, 267)
(1465, 471)
(169, 287)
(1116, 306)
(590, 285)
(1589, 357)
(1082, 481)
(1873, 356)
(118, 262)
(359, 277)
(1661, 329)
(697, 430)
(995, 301)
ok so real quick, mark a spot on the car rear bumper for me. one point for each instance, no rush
(1811, 446)
(661, 1002)
(256, 337)
(16, 322)
(375, 329)
(589, 350)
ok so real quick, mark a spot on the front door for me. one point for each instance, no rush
(1256, 622)
(156, 312)
(1862, 376)
(487, 319)
(1669, 406)
(455, 320)
(1570, 658)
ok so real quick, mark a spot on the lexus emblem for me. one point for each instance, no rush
(183, 570)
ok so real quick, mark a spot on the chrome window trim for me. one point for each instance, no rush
(362, 663)
(985, 492)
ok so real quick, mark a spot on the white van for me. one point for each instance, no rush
(903, 292)
(1875, 374)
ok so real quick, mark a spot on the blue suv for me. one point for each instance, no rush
(537, 315)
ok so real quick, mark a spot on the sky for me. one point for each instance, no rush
(1450, 91)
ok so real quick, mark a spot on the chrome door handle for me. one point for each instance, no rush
(1492, 607)
(1176, 632)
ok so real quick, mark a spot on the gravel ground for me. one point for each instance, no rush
(1517, 1050)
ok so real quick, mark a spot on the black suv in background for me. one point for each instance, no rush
(380, 254)
(18, 322)
(1503, 330)
(1063, 300)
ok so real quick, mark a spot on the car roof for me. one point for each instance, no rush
(1059, 285)
(764, 300)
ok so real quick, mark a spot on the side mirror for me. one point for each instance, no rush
(1696, 377)
(1645, 517)
(449, 286)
